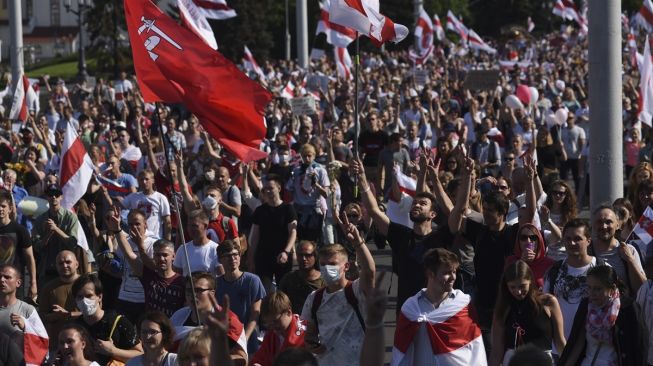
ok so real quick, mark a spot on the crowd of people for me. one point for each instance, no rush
(194, 257)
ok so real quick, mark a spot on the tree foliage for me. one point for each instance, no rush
(105, 22)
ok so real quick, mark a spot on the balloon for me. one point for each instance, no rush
(535, 95)
(524, 94)
(561, 115)
(551, 120)
(33, 206)
(513, 102)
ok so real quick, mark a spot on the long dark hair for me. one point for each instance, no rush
(607, 276)
(518, 270)
(568, 209)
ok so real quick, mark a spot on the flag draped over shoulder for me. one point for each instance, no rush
(364, 16)
(173, 65)
(35, 341)
(454, 336)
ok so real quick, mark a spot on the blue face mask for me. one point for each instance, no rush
(330, 273)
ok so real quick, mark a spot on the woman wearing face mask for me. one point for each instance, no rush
(607, 328)
(114, 337)
(75, 347)
(523, 316)
(157, 334)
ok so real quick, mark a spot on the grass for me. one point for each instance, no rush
(66, 70)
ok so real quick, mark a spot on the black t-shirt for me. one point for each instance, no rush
(491, 248)
(14, 239)
(163, 294)
(124, 335)
(408, 249)
(273, 229)
(371, 144)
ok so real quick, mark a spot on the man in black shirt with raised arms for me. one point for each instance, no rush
(493, 240)
(408, 245)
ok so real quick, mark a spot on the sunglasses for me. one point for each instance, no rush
(532, 238)
(508, 159)
(559, 193)
(305, 255)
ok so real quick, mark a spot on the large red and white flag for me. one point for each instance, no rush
(454, 336)
(364, 16)
(476, 42)
(214, 9)
(455, 25)
(228, 104)
(437, 27)
(643, 231)
(236, 331)
(566, 9)
(336, 34)
(195, 20)
(35, 340)
(646, 86)
(424, 31)
(25, 99)
(645, 16)
(406, 184)
(343, 62)
(420, 58)
(251, 64)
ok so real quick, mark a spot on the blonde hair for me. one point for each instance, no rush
(307, 148)
(275, 303)
(331, 250)
(196, 338)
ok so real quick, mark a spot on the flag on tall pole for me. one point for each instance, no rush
(195, 20)
(424, 31)
(343, 62)
(645, 16)
(251, 64)
(364, 17)
(25, 99)
(336, 34)
(228, 104)
(646, 86)
(215, 9)
(457, 26)
(437, 27)
(476, 42)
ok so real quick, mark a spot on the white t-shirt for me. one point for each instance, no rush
(155, 207)
(131, 288)
(169, 360)
(569, 288)
(203, 258)
(340, 329)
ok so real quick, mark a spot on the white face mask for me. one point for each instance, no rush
(330, 273)
(87, 306)
(275, 158)
(210, 175)
(284, 158)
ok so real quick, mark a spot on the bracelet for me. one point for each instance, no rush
(366, 190)
(374, 326)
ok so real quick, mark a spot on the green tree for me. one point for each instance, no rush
(105, 22)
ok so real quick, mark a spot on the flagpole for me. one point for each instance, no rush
(180, 227)
(357, 125)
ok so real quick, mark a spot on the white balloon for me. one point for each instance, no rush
(513, 102)
(535, 95)
(550, 120)
(561, 115)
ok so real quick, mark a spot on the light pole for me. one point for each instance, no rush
(287, 37)
(82, 5)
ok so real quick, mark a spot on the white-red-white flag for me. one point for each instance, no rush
(476, 42)
(288, 91)
(364, 16)
(529, 24)
(24, 101)
(336, 34)
(420, 58)
(459, 340)
(75, 172)
(625, 21)
(455, 25)
(632, 49)
(215, 9)
(644, 230)
(194, 19)
(407, 184)
(645, 16)
(35, 340)
(343, 62)
(437, 27)
(424, 30)
(566, 9)
(646, 86)
(251, 64)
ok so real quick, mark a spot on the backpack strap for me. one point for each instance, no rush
(317, 301)
(115, 324)
(226, 227)
(552, 274)
(353, 301)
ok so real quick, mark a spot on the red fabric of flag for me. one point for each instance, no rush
(173, 65)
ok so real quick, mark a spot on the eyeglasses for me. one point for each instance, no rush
(305, 255)
(149, 332)
(532, 238)
(508, 159)
(53, 194)
(559, 193)
(198, 290)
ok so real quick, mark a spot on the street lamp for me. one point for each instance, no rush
(82, 5)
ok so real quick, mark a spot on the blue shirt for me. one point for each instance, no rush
(19, 194)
